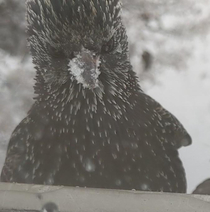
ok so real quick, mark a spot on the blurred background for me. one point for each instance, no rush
(170, 52)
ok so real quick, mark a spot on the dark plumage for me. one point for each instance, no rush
(91, 124)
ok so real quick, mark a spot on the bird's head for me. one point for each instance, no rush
(78, 41)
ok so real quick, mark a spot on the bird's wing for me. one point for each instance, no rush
(11, 163)
(15, 152)
(21, 152)
(171, 125)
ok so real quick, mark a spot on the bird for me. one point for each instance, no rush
(203, 188)
(91, 124)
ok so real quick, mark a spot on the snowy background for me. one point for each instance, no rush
(170, 51)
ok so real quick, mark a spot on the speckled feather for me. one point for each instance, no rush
(111, 136)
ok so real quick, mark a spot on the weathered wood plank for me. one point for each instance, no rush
(19, 197)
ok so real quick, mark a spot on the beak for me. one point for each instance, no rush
(85, 68)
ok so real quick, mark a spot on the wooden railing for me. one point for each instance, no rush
(24, 197)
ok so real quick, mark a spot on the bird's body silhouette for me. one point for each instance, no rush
(203, 188)
(91, 124)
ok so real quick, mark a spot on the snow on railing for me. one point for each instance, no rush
(25, 197)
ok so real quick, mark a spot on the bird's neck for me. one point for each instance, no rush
(72, 98)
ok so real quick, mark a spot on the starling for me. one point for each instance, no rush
(91, 124)
(203, 188)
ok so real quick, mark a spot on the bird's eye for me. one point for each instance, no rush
(108, 47)
(72, 55)
(56, 53)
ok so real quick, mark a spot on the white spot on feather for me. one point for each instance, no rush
(89, 165)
